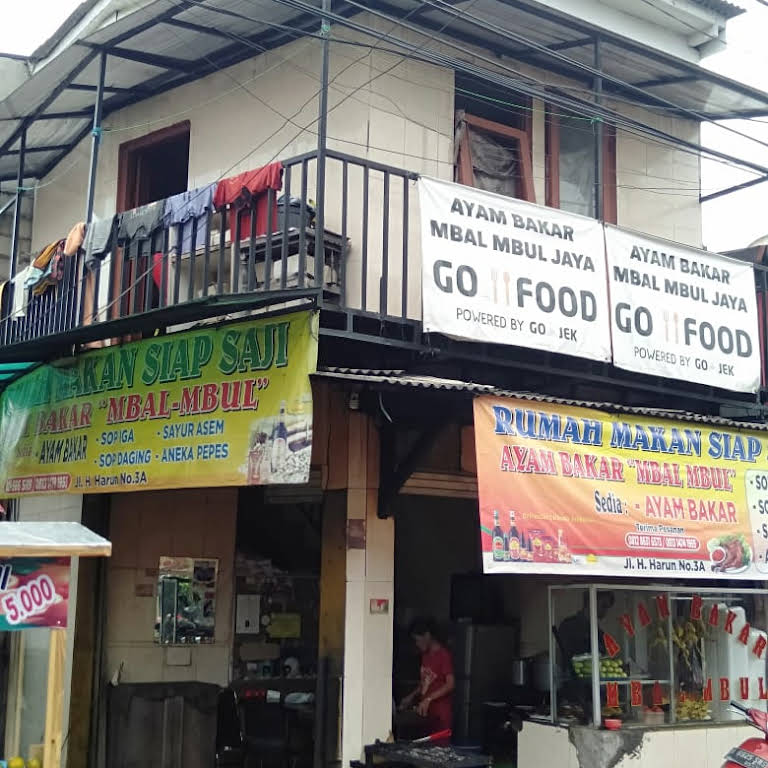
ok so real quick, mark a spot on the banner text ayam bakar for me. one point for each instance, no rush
(538, 425)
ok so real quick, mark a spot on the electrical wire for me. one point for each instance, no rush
(368, 146)
(54, 180)
(696, 152)
(305, 128)
(298, 32)
(313, 75)
(599, 111)
(214, 99)
(449, 10)
(253, 150)
(242, 16)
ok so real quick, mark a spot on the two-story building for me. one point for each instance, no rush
(428, 208)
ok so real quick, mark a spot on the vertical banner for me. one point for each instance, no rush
(576, 491)
(34, 592)
(682, 313)
(223, 406)
(500, 270)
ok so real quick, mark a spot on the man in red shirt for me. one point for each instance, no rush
(434, 693)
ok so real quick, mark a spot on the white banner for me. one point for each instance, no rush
(682, 313)
(500, 270)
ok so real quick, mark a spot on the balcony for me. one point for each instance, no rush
(362, 270)
(358, 267)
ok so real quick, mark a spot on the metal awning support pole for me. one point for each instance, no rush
(322, 140)
(17, 208)
(14, 254)
(599, 133)
(95, 137)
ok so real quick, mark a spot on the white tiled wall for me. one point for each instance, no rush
(658, 185)
(144, 526)
(383, 107)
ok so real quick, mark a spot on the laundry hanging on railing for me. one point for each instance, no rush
(140, 222)
(183, 209)
(74, 241)
(20, 293)
(241, 191)
(98, 240)
(47, 268)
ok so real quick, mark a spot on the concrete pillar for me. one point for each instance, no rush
(367, 692)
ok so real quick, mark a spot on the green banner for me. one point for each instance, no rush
(221, 406)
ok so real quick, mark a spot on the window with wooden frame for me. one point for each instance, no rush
(494, 157)
(570, 165)
(153, 167)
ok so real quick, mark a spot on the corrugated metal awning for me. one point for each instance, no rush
(162, 45)
(402, 379)
(51, 539)
(724, 8)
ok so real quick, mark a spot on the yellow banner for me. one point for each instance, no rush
(576, 491)
(221, 406)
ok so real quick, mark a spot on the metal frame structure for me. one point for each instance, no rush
(397, 334)
(374, 325)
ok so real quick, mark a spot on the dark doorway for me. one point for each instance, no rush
(153, 167)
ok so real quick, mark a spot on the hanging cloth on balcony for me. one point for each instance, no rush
(47, 268)
(140, 222)
(74, 239)
(98, 240)
(243, 191)
(182, 209)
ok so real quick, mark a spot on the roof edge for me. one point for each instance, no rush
(399, 378)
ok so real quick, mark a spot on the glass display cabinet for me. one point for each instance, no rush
(655, 655)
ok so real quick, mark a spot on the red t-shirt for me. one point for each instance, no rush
(436, 665)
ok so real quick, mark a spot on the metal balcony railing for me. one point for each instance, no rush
(364, 268)
(272, 255)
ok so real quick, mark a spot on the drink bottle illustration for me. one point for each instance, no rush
(498, 540)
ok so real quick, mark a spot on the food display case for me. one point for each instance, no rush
(655, 655)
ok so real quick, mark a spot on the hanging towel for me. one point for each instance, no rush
(44, 257)
(239, 191)
(46, 269)
(54, 270)
(74, 239)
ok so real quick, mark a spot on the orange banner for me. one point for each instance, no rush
(578, 491)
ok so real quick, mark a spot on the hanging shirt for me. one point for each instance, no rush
(436, 666)
(140, 222)
(240, 191)
(186, 207)
(98, 240)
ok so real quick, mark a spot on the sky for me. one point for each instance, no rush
(28, 23)
(737, 220)
(734, 221)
